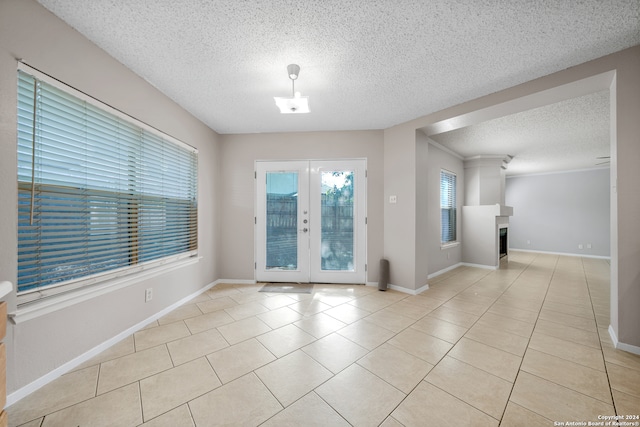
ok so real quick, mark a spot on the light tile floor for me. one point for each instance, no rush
(526, 345)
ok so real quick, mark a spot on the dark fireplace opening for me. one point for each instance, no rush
(503, 242)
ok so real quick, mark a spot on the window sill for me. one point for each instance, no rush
(58, 302)
(449, 245)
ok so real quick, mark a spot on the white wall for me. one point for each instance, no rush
(36, 347)
(238, 155)
(442, 258)
(558, 212)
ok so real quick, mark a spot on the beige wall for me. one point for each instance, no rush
(395, 157)
(423, 203)
(628, 197)
(36, 347)
(238, 155)
(412, 225)
(400, 152)
(400, 217)
(438, 258)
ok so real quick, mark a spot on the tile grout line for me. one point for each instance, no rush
(141, 405)
(550, 286)
(534, 325)
(468, 329)
(553, 382)
(138, 381)
(465, 402)
(369, 351)
(529, 340)
(604, 360)
(300, 349)
(173, 366)
(454, 344)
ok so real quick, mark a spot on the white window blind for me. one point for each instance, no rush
(98, 195)
(447, 207)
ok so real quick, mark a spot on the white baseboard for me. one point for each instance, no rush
(486, 267)
(560, 253)
(409, 291)
(236, 282)
(444, 270)
(72, 364)
(401, 288)
(622, 346)
(422, 289)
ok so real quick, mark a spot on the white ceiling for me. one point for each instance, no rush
(568, 135)
(365, 64)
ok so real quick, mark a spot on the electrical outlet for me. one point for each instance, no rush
(588, 245)
(393, 199)
(580, 246)
(148, 294)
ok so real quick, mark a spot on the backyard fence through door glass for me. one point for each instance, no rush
(311, 221)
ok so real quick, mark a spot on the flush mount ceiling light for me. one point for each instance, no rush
(297, 103)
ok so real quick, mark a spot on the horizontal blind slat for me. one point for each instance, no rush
(107, 193)
(448, 215)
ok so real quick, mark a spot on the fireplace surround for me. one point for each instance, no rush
(503, 239)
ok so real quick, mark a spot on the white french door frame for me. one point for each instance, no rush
(310, 246)
(300, 271)
(318, 247)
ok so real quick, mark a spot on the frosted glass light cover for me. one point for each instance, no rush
(293, 105)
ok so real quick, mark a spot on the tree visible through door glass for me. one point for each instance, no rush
(337, 220)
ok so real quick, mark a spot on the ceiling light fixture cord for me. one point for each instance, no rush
(297, 103)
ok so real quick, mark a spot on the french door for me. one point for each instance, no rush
(311, 221)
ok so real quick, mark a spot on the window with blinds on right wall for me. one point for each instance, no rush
(448, 218)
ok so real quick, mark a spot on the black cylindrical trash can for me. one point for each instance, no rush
(384, 275)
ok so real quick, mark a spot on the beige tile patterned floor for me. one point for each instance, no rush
(526, 345)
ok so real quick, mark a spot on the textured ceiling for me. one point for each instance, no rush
(568, 135)
(365, 64)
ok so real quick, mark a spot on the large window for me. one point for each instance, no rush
(99, 194)
(448, 223)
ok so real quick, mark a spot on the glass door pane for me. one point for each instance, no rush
(338, 221)
(336, 210)
(311, 221)
(282, 221)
